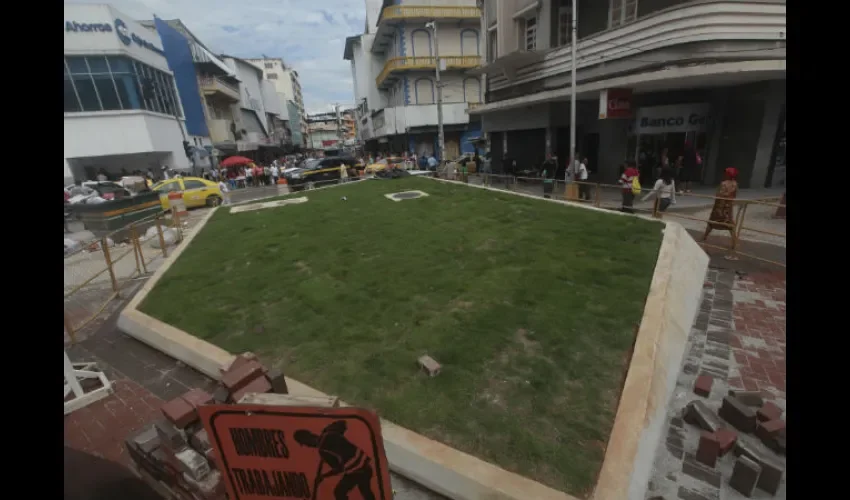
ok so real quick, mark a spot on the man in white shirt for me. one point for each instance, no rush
(225, 192)
(165, 175)
(581, 176)
(275, 173)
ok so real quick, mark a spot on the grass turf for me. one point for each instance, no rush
(529, 306)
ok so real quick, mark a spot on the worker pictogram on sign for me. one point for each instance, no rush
(294, 452)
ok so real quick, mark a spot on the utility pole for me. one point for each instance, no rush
(441, 139)
(573, 43)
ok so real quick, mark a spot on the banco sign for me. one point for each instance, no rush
(675, 118)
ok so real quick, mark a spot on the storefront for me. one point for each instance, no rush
(659, 128)
(122, 110)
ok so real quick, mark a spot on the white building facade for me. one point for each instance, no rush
(393, 68)
(707, 72)
(287, 84)
(122, 111)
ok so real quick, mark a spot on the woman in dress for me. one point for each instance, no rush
(721, 215)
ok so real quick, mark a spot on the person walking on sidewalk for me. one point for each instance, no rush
(721, 214)
(548, 173)
(581, 176)
(275, 173)
(664, 189)
(225, 192)
(627, 181)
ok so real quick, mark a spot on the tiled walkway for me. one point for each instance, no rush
(738, 339)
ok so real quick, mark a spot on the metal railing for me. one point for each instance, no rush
(425, 63)
(102, 269)
(754, 220)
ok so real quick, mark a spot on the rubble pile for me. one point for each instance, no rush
(743, 418)
(175, 454)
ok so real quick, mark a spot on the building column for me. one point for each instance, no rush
(550, 139)
(773, 102)
(505, 142)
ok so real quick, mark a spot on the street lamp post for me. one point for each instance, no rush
(440, 135)
(573, 43)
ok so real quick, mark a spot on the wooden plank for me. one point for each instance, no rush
(271, 399)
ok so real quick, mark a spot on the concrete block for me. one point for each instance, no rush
(200, 441)
(702, 386)
(221, 395)
(243, 375)
(727, 439)
(770, 429)
(192, 463)
(146, 440)
(745, 476)
(179, 412)
(211, 486)
(741, 416)
(429, 365)
(278, 381)
(259, 384)
(198, 397)
(745, 447)
(698, 413)
(709, 449)
(749, 398)
(771, 475)
(170, 436)
(769, 411)
(241, 360)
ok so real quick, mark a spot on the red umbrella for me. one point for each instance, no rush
(235, 161)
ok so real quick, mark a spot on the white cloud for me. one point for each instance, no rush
(308, 34)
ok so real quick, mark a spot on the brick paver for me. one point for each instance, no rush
(101, 427)
(738, 339)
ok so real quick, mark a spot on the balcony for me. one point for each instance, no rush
(216, 87)
(398, 65)
(392, 16)
(687, 33)
(220, 131)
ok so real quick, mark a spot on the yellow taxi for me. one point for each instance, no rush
(385, 163)
(197, 192)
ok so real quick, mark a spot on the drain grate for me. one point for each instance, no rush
(406, 195)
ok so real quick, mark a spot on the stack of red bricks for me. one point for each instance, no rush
(175, 453)
(745, 412)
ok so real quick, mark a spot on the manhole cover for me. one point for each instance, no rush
(406, 195)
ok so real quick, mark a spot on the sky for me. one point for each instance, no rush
(308, 34)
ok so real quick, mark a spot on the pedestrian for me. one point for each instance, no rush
(225, 192)
(267, 175)
(581, 177)
(275, 173)
(721, 214)
(165, 175)
(690, 167)
(548, 173)
(249, 175)
(664, 189)
(343, 173)
(432, 162)
(630, 186)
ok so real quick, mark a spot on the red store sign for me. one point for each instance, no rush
(615, 103)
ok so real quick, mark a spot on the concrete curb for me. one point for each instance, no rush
(669, 311)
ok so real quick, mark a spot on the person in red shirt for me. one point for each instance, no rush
(629, 174)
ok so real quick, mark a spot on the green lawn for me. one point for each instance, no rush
(529, 306)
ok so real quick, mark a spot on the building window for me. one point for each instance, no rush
(271, 76)
(98, 83)
(492, 45)
(565, 21)
(621, 12)
(528, 33)
(269, 65)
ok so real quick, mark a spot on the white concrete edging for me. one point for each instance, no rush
(670, 308)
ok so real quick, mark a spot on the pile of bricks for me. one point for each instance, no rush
(175, 455)
(741, 414)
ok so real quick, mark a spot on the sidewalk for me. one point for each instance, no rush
(738, 339)
(144, 379)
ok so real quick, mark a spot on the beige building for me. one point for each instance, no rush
(393, 66)
(286, 82)
(706, 72)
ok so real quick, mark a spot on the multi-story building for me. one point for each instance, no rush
(326, 131)
(394, 68)
(650, 75)
(122, 110)
(349, 124)
(286, 82)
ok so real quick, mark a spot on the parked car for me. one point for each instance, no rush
(106, 190)
(197, 192)
(384, 163)
(318, 170)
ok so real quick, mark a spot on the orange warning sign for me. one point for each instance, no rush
(294, 452)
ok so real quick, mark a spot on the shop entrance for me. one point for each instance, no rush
(647, 151)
